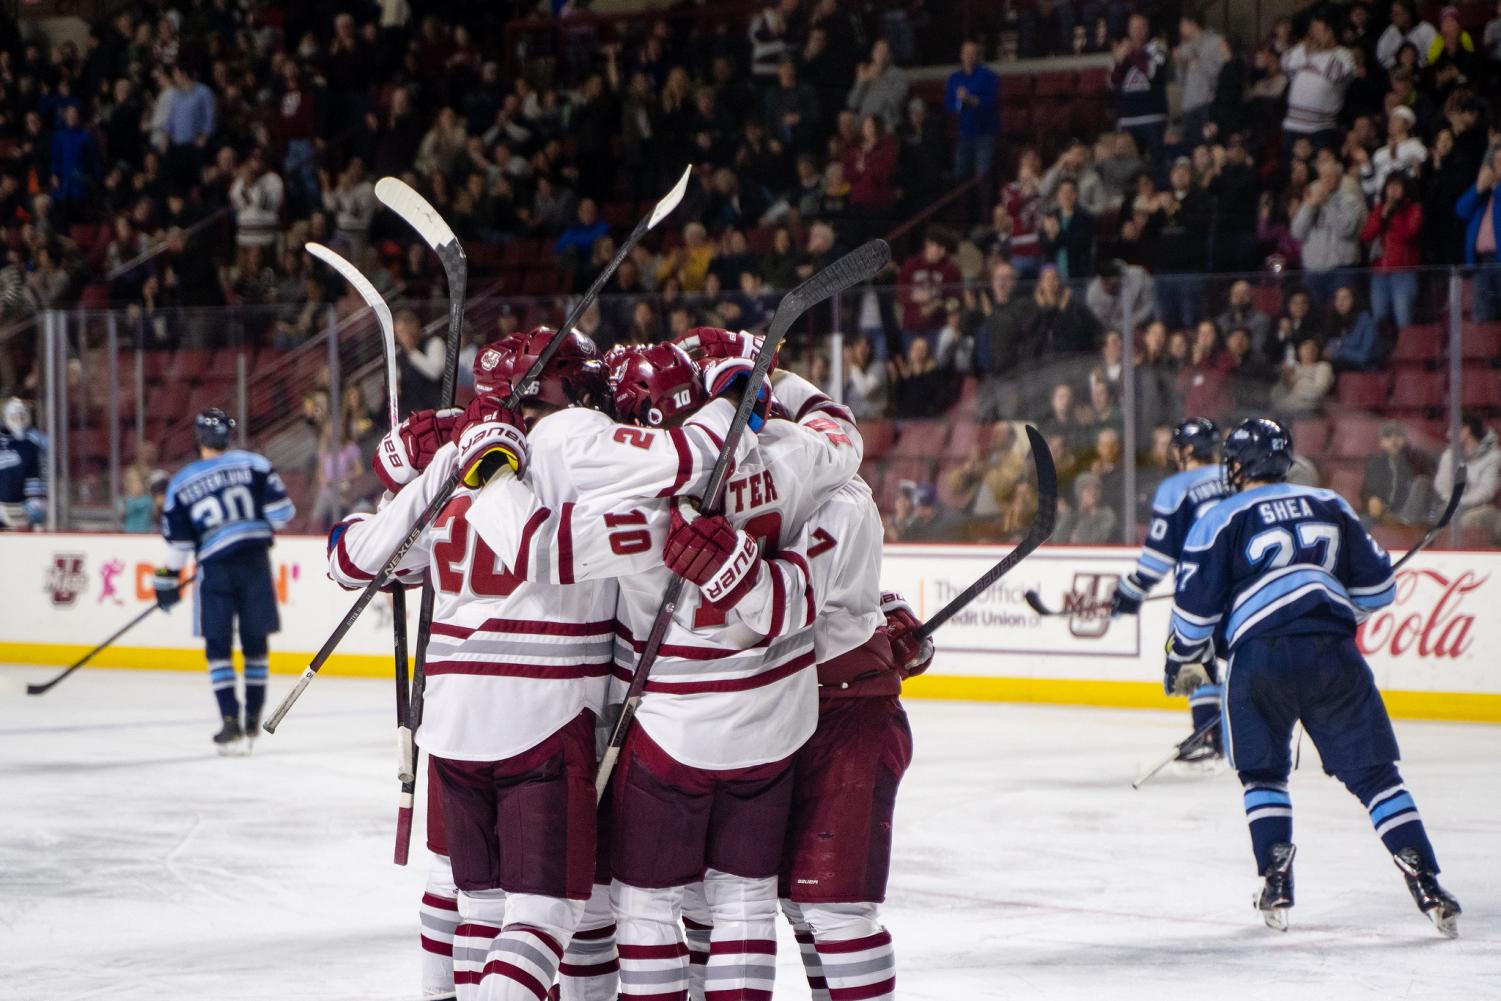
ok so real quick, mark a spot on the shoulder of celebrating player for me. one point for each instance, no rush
(360, 545)
(844, 539)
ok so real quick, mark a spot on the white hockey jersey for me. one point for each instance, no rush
(844, 551)
(728, 691)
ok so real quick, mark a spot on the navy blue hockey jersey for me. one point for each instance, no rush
(22, 484)
(219, 505)
(1180, 501)
(1276, 559)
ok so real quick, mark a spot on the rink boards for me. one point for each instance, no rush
(1433, 651)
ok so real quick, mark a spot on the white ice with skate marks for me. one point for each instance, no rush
(136, 863)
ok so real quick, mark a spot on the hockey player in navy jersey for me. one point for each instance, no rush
(1180, 501)
(23, 458)
(1285, 573)
(223, 510)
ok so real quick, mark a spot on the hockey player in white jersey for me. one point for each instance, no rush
(731, 697)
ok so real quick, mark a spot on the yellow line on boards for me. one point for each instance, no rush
(1480, 707)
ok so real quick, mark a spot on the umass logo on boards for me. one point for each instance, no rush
(66, 579)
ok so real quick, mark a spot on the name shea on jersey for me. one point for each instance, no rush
(1284, 510)
(214, 482)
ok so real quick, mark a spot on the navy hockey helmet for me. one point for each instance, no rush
(1258, 449)
(1200, 435)
(213, 427)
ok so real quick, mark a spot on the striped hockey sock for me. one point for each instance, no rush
(653, 956)
(221, 675)
(591, 966)
(439, 915)
(854, 950)
(521, 962)
(257, 669)
(697, 925)
(818, 987)
(743, 943)
(481, 914)
(1205, 703)
(1269, 814)
(1393, 813)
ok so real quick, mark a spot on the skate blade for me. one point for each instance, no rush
(1446, 921)
(1276, 918)
(230, 750)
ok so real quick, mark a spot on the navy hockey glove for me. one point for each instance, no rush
(1179, 678)
(1129, 592)
(168, 588)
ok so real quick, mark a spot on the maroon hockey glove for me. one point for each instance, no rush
(406, 449)
(708, 552)
(913, 656)
(489, 435)
(705, 344)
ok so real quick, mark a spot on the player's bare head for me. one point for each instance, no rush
(1259, 450)
(655, 386)
(573, 377)
(1196, 442)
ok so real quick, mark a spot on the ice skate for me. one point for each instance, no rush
(1276, 896)
(252, 731)
(1433, 900)
(229, 740)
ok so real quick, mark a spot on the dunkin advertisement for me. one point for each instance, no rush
(64, 593)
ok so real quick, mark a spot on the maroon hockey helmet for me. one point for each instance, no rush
(654, 384)
(574, 375)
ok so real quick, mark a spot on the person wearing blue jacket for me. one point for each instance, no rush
(1481, 211)
(76, 163)
(973, 91)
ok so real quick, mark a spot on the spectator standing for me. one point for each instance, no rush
(1068, 234)
(864, 380)
(1405, 29)
(1118, 163)
(1178, 232)
(76, 165)
(1480, 210)
(1398, 481)
(1328, 226)
(999, 342)
(870, 168)
(1061, 328)
(1319, 72)
(256, 197)
(917, 381)
(442, 145)
(1304, 383)
(1024, 204)
(1140, 83)
(1403, 153)
(191, 119)
(1105, 291)
(880, 87)
(1477, 505)
(296, 128)
(790, 110)
(771, 38)
(352, 201)
(972, 96)
(1392, 231)
(1073, 165)
(420, 363)
(924, 279)
(1198, 57)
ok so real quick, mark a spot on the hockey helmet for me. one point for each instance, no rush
(655, 384)
(1200, 435)
(213, 427)
(573, 376)
(1259, 448)
(17, 416)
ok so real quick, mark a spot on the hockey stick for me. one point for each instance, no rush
(1461, 477)
(1040, 607)
(1042, 528)
(857, 266)
(425, 518)
(1185, 745)
(406, 754)
(47, 686)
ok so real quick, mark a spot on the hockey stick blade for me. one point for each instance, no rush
(860, 264)
(1041, 530)
(372, 298)
(1039, 606)
(46, 686)
(665, 206)
(1461, 478)
(401, 198)
(1187, 743)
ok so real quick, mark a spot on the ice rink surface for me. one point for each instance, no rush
(134, 863)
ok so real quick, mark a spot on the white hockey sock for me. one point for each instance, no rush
(743, 944)
(522, 961)
(812, 965)
(697, 924)
(440, 916)
(653, 957)
(481, 914)
(591, 966)
(858, 961)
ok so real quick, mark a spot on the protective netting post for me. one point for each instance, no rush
(1456, 375)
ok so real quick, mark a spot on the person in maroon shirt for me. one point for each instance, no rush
(923, 280)
(870, 167)
(296, 127)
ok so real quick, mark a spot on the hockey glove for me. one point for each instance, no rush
(168, 588)
(406, 449)
(1184, 679)
(707, 551)
(913, 656)
(489, 436)
(707, 344)
(728, 376)
(1129, 593)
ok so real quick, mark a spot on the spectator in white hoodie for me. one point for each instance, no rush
(1403, 153)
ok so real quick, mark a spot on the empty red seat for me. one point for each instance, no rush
(965, 437)
(1480, 389)
(1398, 537)
(1355, 436)
(923, 439)
(1481, 341)
(1419, 343)
(1055, 84)
(540, 281)
(879, 436)
(1363, 390)
(1344, 478)
(1311, 436)
(1415, 389)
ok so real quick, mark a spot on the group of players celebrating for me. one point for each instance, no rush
(767, 751)
(766, 755)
